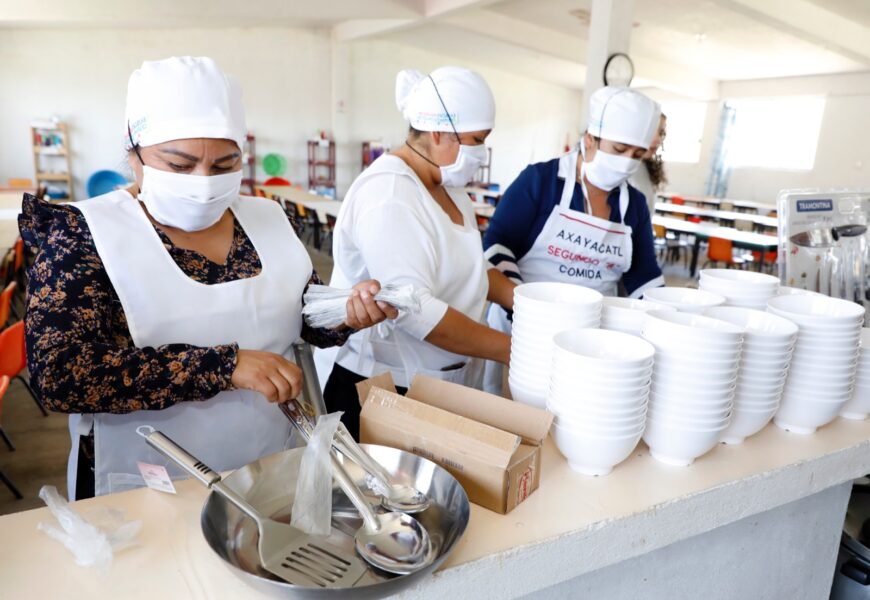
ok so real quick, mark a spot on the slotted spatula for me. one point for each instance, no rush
(286, 552)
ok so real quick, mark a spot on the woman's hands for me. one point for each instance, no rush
(278, 379)
(363, 310)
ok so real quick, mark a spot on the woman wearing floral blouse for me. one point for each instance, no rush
(172, 303)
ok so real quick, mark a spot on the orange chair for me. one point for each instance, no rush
(4, 386)
(13, 358)
(6, 303)
(722, 250)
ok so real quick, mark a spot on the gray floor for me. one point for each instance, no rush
(43, 442)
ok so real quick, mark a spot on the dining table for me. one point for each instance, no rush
(704, 231)
(726, 217)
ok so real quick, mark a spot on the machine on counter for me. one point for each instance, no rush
(824, 245)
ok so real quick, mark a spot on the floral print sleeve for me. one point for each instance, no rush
(80, 353)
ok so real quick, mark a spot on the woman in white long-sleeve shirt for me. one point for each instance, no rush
(406, 220)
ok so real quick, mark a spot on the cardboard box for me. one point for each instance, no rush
(491, 445)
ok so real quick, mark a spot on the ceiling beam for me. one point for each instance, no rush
(810, 22)
(548, 42)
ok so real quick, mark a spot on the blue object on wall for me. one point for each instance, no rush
(103, 182)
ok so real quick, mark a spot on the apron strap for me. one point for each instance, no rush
(568, 165)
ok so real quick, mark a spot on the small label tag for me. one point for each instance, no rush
(156, 477)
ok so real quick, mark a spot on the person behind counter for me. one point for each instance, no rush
(650, 179)
(407, 220)
(172, 303)
(575, 219)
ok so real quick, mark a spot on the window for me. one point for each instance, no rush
(775, 133)
(685, 129)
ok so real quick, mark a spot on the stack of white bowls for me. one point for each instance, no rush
(693, 383)
(541, 310)
(684, 299)
(627, 315)
(789, 291)
(599, 387)
(740, 288)
(825, 358)
(767, 347)
(858, 406)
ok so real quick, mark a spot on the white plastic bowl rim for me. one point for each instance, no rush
(817, 307)
(734, 277)
(556, 293)
(603, 347)
(682, 297)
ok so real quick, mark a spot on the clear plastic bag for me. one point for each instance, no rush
(93, 539)
(327, 307)
(312, 504)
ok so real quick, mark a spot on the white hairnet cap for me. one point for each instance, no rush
(623, 115)
(183, 97)
(464, 93)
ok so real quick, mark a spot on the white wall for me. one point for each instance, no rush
(842, 156)
(292, 86)
(81, 76)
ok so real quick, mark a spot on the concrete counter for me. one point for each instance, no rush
(758, 520)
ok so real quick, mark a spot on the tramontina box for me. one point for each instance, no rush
(490, 444)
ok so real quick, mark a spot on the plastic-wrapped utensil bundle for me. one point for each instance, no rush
(326, 306)
(92, 538)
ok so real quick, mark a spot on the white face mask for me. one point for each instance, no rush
(467, 162)
(607, 171)
(188, 202)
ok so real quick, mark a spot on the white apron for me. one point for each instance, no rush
(163, 306)
(573, 247)
(387, 347)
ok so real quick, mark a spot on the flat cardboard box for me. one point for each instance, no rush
(490, 444)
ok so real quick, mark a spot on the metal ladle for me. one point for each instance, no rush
(394, 542)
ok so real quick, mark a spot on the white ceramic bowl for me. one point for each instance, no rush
(759, 325)
(563, 362)
(580, 410)
(695, 328)
(791, 291)
(746, 423)
(695, 374)
(674, 390)
(550, 324)
(696, 354)
(801, 395)
(805, 417)
(691, 412)
(759, 388)
(677, 446)
(571, 383)
(710, 402)
(857, 407)
(741, 279)
(682, 365)
(597, 396)
(598, 347)
(684, 299)
(593, 455)
(528, 396)
(817, 309)
(546, 293)
(610, 425)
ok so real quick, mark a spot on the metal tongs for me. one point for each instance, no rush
(394, 495)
